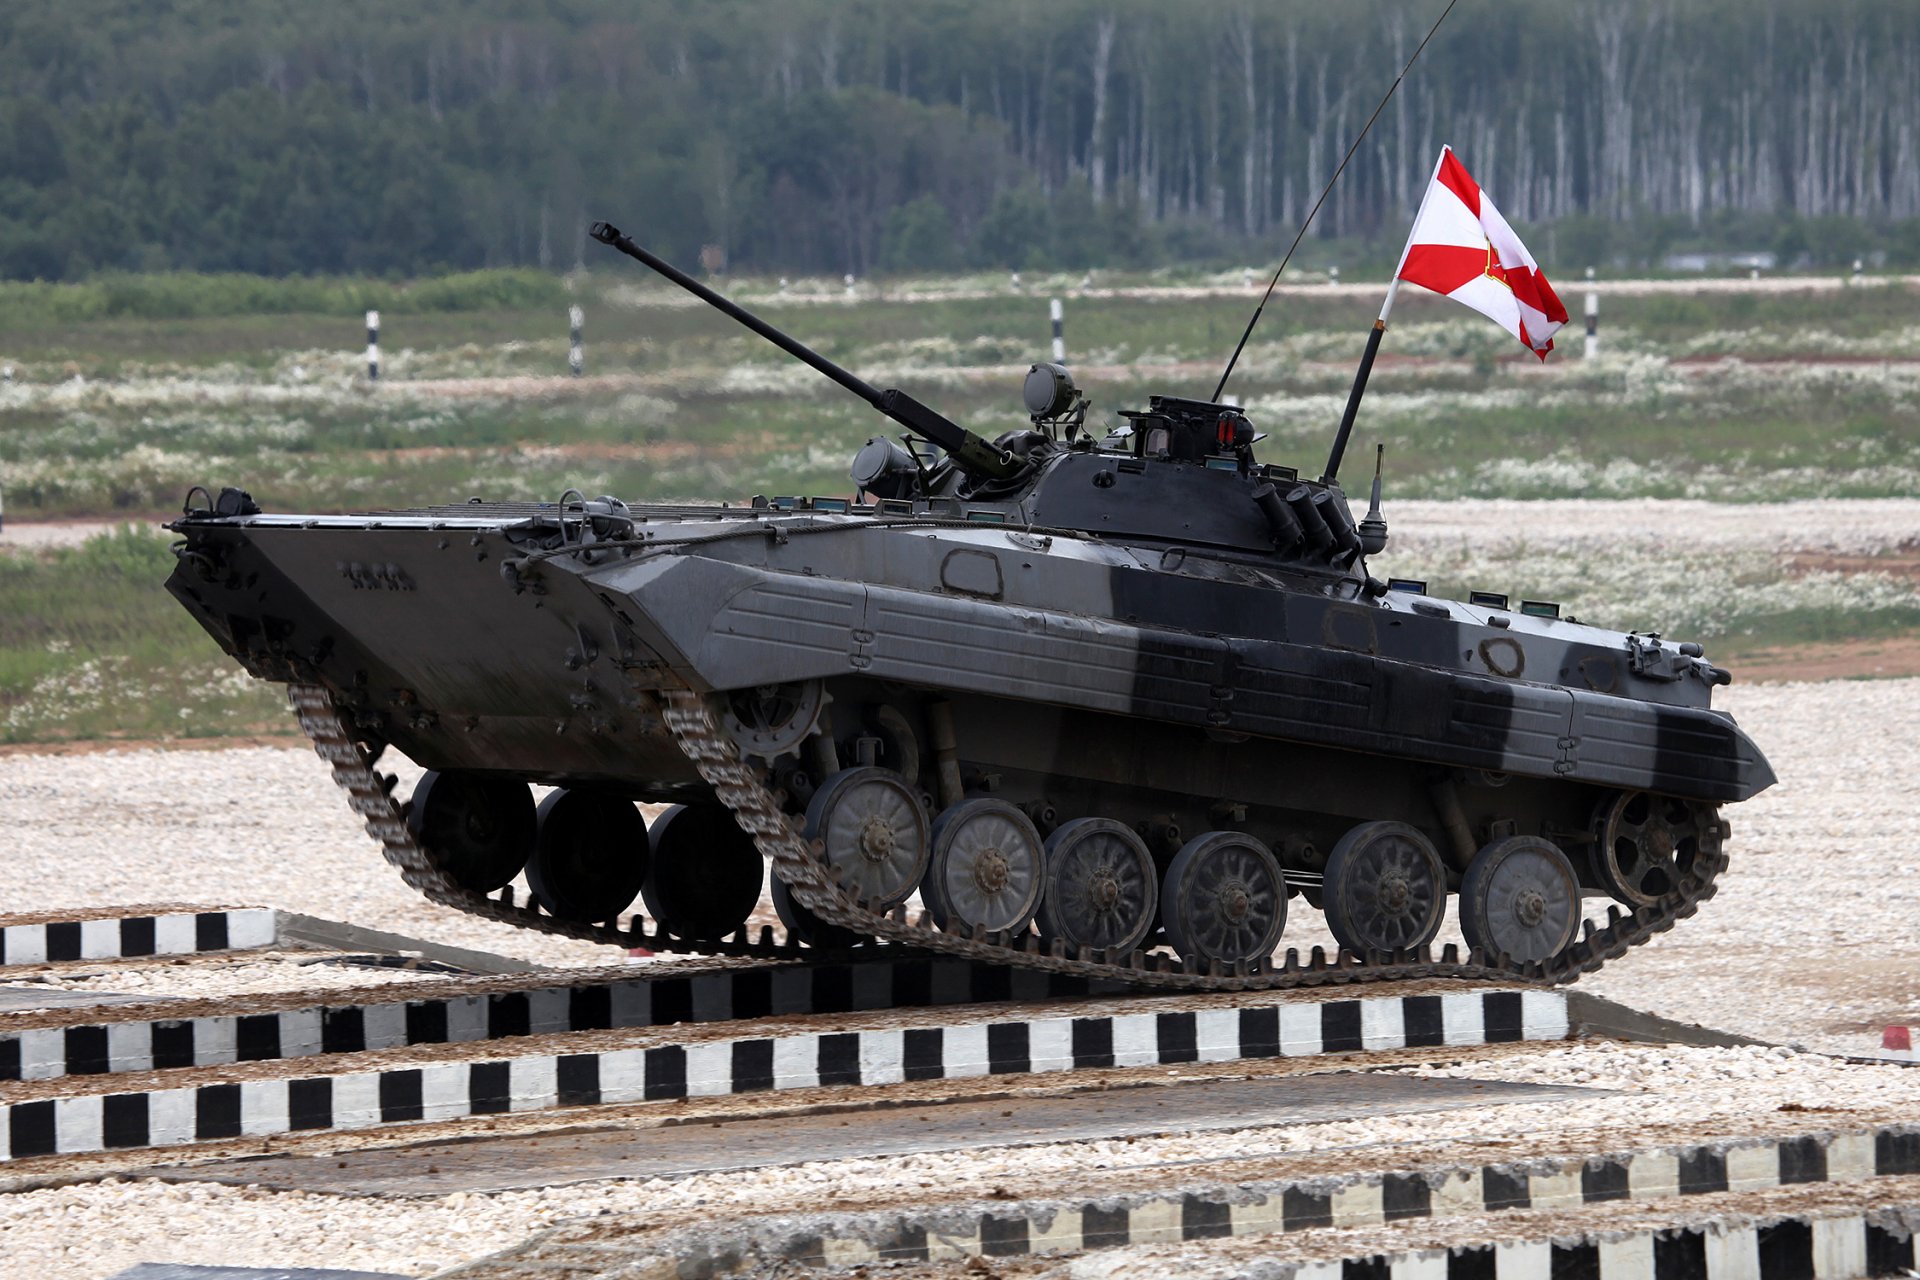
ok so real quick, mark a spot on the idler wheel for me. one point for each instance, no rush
(478, 828)
(800, 922)
(1520, 897)
(1101, 889)
(985, 868)
(875, 832)
(1645, 844)
(1223, 899)
(590, 856)
(1385, 888)
(769, 720)
(705, 877)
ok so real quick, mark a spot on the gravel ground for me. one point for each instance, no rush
(1811, 939)
(1838, 960)
(87, 1231)
(263, 822)
(1814, 936)
(257, 974)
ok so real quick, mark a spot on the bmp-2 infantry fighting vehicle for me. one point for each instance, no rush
(1105, 704)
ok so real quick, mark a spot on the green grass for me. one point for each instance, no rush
(180, 296)
(1457, 433)
(92, 646)
(1819, 626)
(199, 321)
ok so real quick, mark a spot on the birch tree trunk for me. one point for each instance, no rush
(1241, 34)
(1097, 131)
(1615, 113)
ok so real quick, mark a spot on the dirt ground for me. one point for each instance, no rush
(1886, 658)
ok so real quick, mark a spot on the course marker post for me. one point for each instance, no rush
(1592, 347)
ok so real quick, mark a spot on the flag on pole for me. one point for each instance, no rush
(1462, 247)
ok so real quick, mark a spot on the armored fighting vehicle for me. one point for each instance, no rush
(1108, 705)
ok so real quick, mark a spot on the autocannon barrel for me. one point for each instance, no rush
(969, 452)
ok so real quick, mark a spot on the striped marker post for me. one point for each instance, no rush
(576, 355)
(373, 346)
(1058, 314)
(1592, 347)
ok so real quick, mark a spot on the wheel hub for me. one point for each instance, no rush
(1103, 891)
(1530, 907)
(876, 839)
(1235, 903)
(1660, 842)
(991, 871)
(1394, 894)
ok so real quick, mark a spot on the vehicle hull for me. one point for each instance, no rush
(544, 670)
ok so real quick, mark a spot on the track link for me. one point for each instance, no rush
(759, 812)
(370, 796)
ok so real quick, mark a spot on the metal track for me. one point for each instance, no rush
(369, 795)
(759, 811)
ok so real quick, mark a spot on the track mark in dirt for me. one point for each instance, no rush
(1902, 563)
(1803, 361)
(754, 446)
(1885, 658)
(291, 740)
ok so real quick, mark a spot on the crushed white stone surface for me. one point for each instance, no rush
(194, 978)
(89, 1231)
(1812, 939)
(264, 824)
(1814, 936)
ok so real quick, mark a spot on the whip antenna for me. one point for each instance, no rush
(1324, 193)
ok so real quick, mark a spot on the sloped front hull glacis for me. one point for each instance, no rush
(1070, 663)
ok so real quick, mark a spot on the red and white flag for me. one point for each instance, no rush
(1462, 247)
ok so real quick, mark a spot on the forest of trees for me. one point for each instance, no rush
(859, 135)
